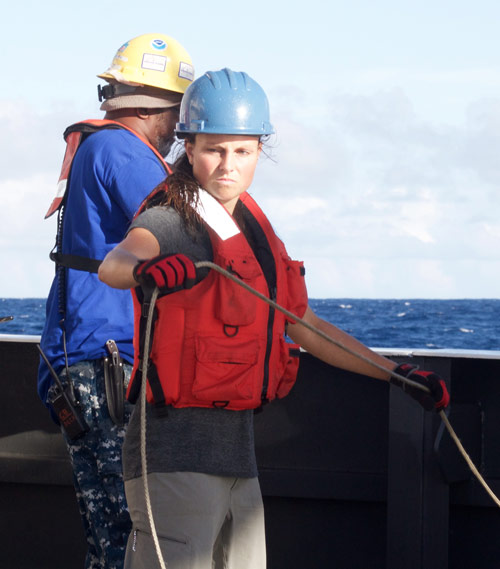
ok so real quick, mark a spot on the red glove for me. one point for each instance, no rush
(438, 397)
(167, 272)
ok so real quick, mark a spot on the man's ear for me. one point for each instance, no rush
(142, 113)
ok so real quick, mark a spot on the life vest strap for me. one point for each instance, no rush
(152, 372)
(75, 262)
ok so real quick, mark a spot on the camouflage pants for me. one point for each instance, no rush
(97, 469)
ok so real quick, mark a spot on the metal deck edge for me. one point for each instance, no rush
(406, 352)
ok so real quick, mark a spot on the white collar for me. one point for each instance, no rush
(216, 215)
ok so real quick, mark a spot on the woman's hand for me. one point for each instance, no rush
(167, 272)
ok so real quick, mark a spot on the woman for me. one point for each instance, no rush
(218, 351)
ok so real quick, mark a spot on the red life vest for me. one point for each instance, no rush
(216, 344)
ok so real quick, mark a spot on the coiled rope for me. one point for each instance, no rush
(295, 318)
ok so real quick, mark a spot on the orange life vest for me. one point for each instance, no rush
(216, 344)
(74, 135)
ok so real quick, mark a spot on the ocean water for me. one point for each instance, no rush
(408, 323)
(471, 324)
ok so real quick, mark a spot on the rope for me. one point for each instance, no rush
(301, 321)
(144, 464)
(310, 327)
(467, 458)
(405, 380)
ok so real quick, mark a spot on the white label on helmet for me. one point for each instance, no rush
(186, 71)
(154, 62)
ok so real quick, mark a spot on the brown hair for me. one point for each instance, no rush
(179, 191)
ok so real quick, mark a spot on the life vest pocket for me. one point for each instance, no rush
(234, 305)
(227, 370)
(288, 367)
(297, 292)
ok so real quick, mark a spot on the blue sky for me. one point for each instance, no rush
(384, 177)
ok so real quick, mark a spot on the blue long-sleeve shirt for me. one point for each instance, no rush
(112, 172)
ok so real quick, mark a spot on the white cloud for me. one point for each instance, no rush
(385, 192)
(32, 139)
(26, 237)
(32, 153)
(361, 188)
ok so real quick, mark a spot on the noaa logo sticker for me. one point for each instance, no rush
(160, 45)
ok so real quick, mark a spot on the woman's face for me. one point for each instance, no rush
(224, 164)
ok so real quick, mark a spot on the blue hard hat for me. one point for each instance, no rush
(224, 102)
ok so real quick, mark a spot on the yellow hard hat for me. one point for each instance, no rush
(155, 60)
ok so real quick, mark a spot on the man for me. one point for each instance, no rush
(110, 166)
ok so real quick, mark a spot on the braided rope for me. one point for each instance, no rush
(295, 318)
(467, 458)
(405, 380)
(144, 464)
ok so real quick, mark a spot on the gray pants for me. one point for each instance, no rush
(202, 522)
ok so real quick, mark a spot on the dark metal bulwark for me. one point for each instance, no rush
(38, 508)
(418, 494)
(354, 474)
